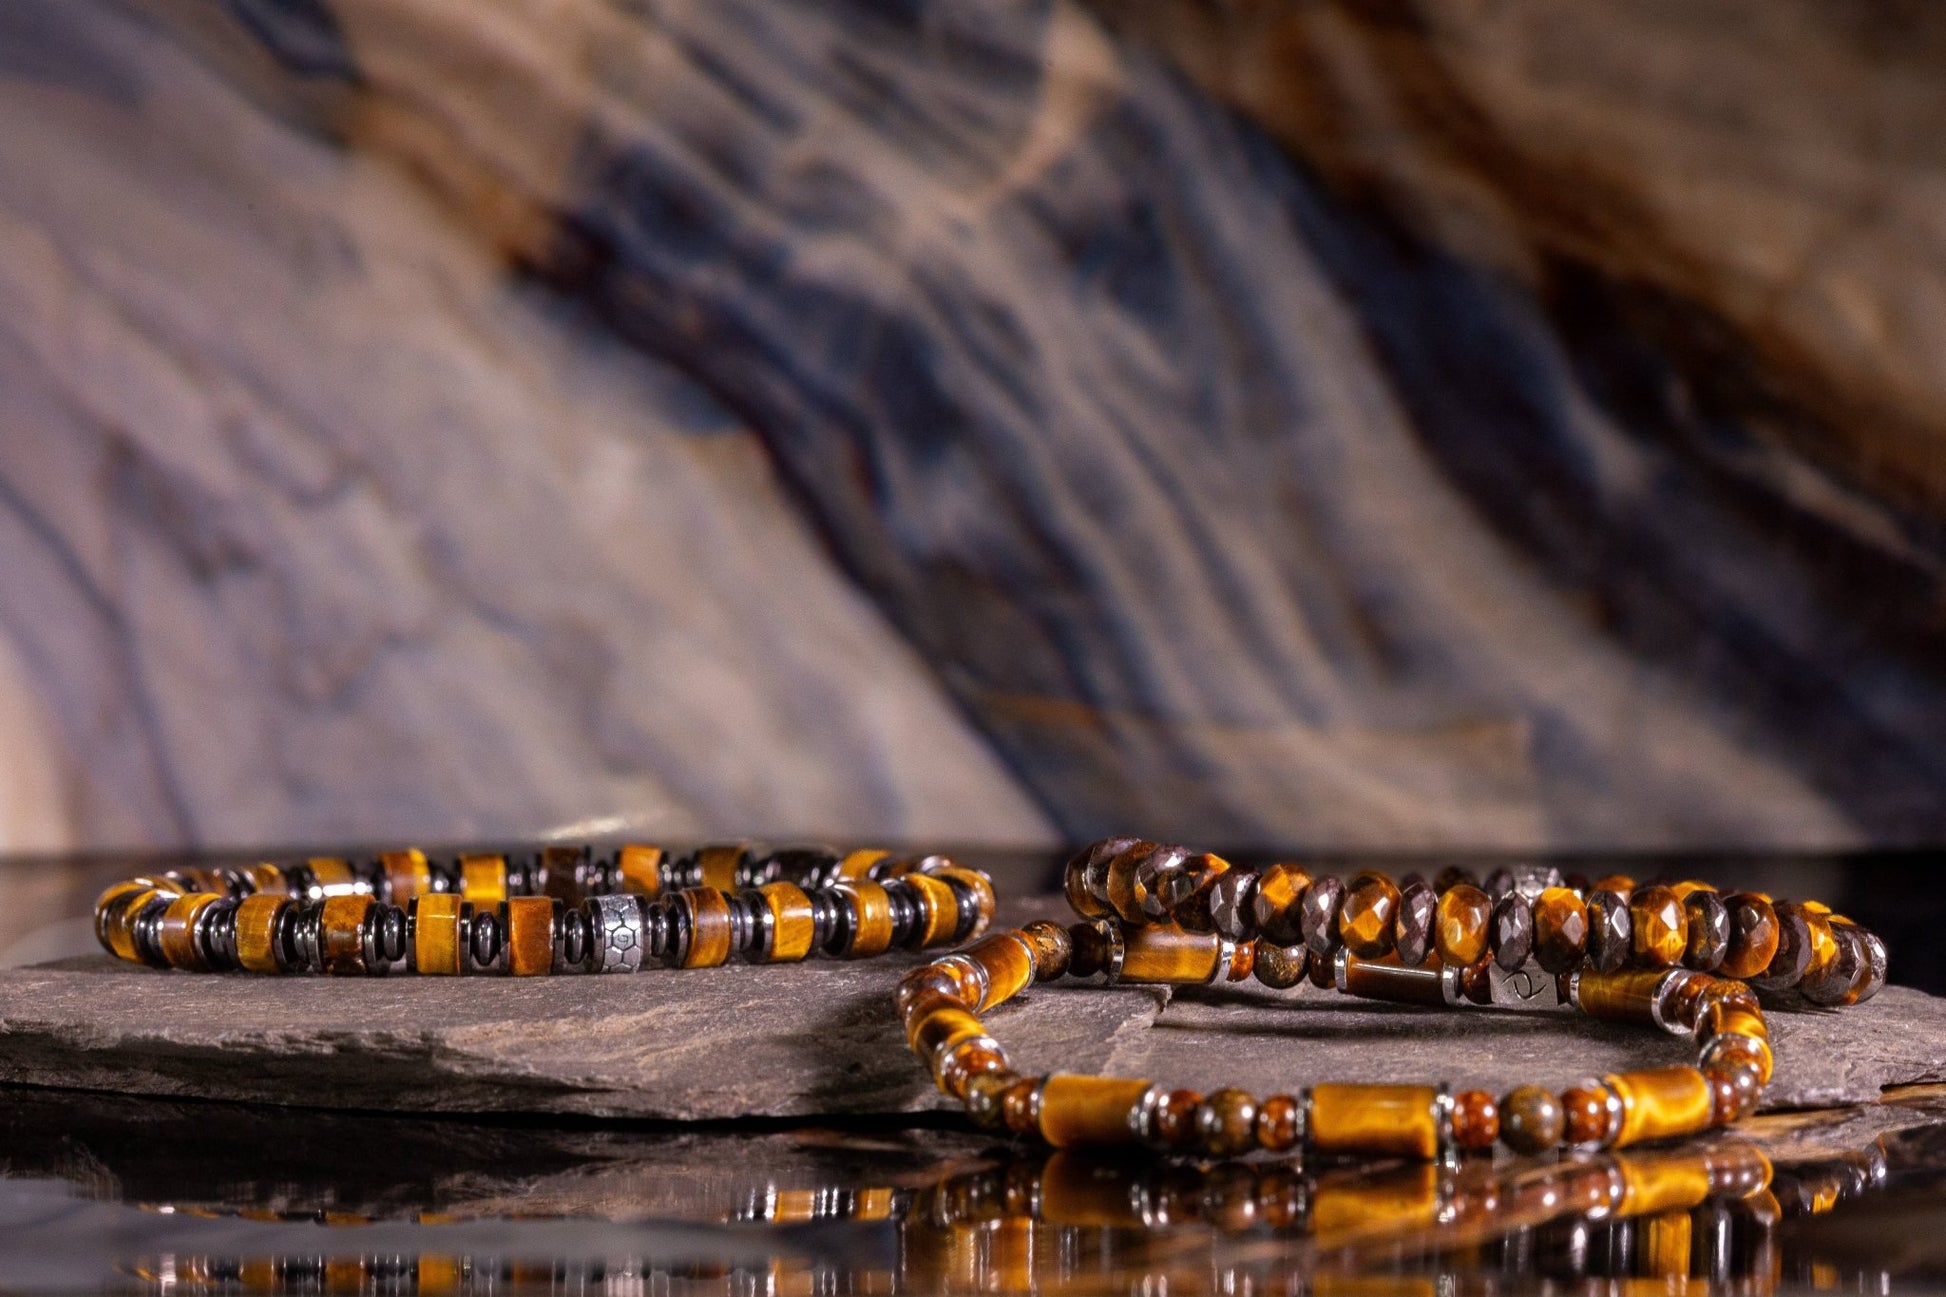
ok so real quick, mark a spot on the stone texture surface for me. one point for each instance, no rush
(441, 418)
(816, 1038)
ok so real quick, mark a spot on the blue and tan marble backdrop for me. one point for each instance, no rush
(1485, 424)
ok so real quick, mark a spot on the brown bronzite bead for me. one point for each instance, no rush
(1560, 930)
(1052, 947)
(1088, 950)
(1226, 1123)
(1753, 936)
(1322, 903)
(1511, 931)
(1531, 1120)
(1322, 970)
(1278, 906)
(1610, 931)
(1708, 919)
(1460, 930)
(1367, 921)
(1660, 931)
(1280, 967)
(1587, 1112)
(1476, 1120)
(1277, 1123)
(1418, 906)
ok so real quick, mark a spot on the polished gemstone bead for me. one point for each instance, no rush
(1053, 949)
(1123, 891)
(1460, 929)
(1586, 1111)
(1476, 981)
(1560, 930)
(1876, 964)
(1367, 921)
(1610, 932)
(1153, 877)
(1476, 1120)
(1531, 1120)
(1453, 876)
(1229, 905)
(1500, 882)
(1833, 984)
(1278, 906)
(986, 1099)
(1511, 931)
(1083, 881)
(1660, 930)
(1418, 905)
(1322, 903)
(1753, 936)
(1188, 889)
(1708, 920)
(1022, 1105)
(1322, 970)
(1277, 1124)
(1226, 1123)
(1088, 950)
(1280, 967)
(1794, 949)
(1620, 884)
(1725, 1104)
(1175, 1119)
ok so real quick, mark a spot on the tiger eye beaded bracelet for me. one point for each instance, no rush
(939, 1005)
(559, 910)
(1561, 924)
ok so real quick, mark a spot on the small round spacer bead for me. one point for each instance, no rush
(1593, 1115)
(1280, 967)
(1476, 1120)
(1531, 1120)
(1175, 1120)
(1277, 1128)
(1226, 1123)
(1022, 1105)
(986, 1099)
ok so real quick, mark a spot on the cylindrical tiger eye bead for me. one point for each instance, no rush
(1008, 961)
(483, 879)
(1170, 955)
(1476, 1120)
(1660, 929)
(1460, 932)
(1052, 949)
(341, 933)
(1753, 936)
(1560, 930)
(1611, 930)
(1375, 1120)
(710, 929)
(939, 915)
(1708, 921)
(1531, 1120)
(639, 869)
(1278, 904)
(530, 935)
(1323, 901)
(1368, 918)
(1660, 1103)
(1280, 967)
(1511, 932)
(438, 927)
(976, 885)
(177, 932)
(717, 864)
(1277, 1130)
(407, 874)
(1418, 908)
(1226, 1123)
(1395, 982)
(793, 922)
(331, 876)
(1089, 1110)
(1590, 1113)
(256, 933)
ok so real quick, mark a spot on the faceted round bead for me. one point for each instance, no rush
(1511, 931)
(1368, 921)
(1053, 949)
(1585, 1110)
(1175, 1119)
(1794, 949)
(1620, 884)
(1834, 983)
(1476, 1120)
(1322, 903)
(1560, 930)
(1226, 1123)
(1453, 876)
(1081, 880)
(1708, 920)
(1152, 879)
(1277, 1124)
(1188, 890)
(986, 1099)
(1229, 905)
(1460, 929)
(1610, 933)
(1418, 905)
(1124, 893)
(1278, 906)
(1531, 1120)
(1877, 963)
(1500, 882)
(1661, 932)
(1280, 967)
(1753, 937)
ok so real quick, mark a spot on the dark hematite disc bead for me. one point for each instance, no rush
(1793, 957)
(1322, 904)
(1511, 932)
(1229, 905)
(485, 938)
(1610, 933)
(388, 926)
(1418, 903)
(1280, 967)
(1708, 920)
(577, 937)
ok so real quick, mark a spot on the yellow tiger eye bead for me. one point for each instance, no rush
(1661, 929)
(793, 922)
(1169, 955)
(530, 935)
(407, 874)
(483, 879)
(334, 877)
(718, 865)
(1460, 925)
(871, 907)
(177, 932)
(1662, 1102)
(1091, 1111)
(981, 889)
(437, 921)
(256, 933)
(938, 909)
(1007, 958)
(858, 864)
(341, 933)
(640, 869)
(1366, 922)
(1375, 1120)
(709, 927)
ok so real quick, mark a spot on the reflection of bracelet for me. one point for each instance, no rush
(939, 1004)
(564, 910)
(1533, 913)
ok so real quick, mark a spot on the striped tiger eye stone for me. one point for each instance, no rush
(407, 874)
(1796, 947)
(177, 932)
(1753, 937)
(1560, 929)
(483, 879)
(1278, 904)
(871, 907)
(716, 867)
(1460, 930)
(530, 935)
(1661, 933)
(341, 933)
(708, 911)
(640, 870)
(438, 927)
(1367, 923)
(938, 910)
(256, 932)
